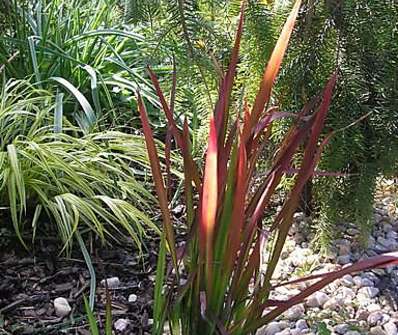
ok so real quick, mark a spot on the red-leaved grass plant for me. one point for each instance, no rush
(223, 287)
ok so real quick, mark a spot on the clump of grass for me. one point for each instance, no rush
(76, 182)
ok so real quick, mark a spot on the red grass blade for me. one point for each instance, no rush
(158, 178)
(273, 66)
(174, 129)
(221, 110)
(167, 153)
(238, 212)
(209, 202)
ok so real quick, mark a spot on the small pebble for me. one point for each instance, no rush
(378, 330)
(295, 312)
(132, 298)
(61, 307)
(301, 324)
(369, 292)
(121, 324)
(390, 328)
(271, 329)
(374, 318)
(112, 282)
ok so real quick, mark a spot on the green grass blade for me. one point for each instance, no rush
(91, 270)
(90, 116)
(91, 318)
(58, 112)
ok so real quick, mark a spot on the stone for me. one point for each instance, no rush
(363, 301)
(362, 315)
(369, 292)
(121, 324)
(318, 299)
(373, 307)
(390, 328)
(344, 250)
(295, 312)
(301, 324)
(271, 329)
(347, 281)
(284, 332)
(378, 330)
(343, 260)
(393, 235)
(346, 294)
(132, 298)
(299, 256)
(332, 304)
(283, 324)
(388, 244)
(374, 318)
(353, 332)
(362, 282)
(112, 282)
(341, 329)
(61, 307)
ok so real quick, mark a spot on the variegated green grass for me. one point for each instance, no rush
(75, 183)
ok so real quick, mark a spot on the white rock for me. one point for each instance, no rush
(388, 244)
(295, 312)
(318, 299)
(362, 282)
(61, 307)
(271, 329)
(352, 332)
(369, 292)
(112, 282)
(375, 317)
(377, 331)
(283, 324)
(299, 256)
(343, 260)
(284, 332)
(393, 235)
(121, 324)
(301, 324)
(341, 329)
(390, 328)
(332, 304)
(373, 307)
(347, 281)
(363, 301)
(346, 294)
(132, 298)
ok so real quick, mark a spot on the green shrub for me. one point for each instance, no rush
(82, 42)
(74, 183)
(358, 37)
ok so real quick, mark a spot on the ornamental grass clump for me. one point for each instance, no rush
(217, 283)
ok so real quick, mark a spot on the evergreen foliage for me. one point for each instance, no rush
(360, 38)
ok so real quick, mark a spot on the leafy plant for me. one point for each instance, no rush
(360, 37)
(220, 283)
(77, 183)
(78, 45)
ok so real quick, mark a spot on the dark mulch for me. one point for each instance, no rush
(29, 284)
